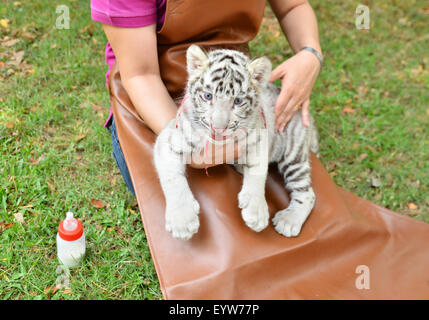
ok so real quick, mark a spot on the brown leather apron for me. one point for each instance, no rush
(346, 245)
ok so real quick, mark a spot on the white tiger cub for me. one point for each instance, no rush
(227, 92)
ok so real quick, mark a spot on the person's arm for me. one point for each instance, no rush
(136, 53)
(299, 73)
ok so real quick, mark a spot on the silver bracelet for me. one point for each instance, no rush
(317, 54)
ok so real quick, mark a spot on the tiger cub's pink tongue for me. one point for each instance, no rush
(217, 137)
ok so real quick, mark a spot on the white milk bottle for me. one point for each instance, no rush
(70, 241)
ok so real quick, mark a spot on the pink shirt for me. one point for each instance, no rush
(126, 14)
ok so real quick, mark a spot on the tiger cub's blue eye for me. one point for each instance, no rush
(208, 96)
(238, 101)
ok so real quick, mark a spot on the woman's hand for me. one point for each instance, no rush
(298, 75)
(215, 154)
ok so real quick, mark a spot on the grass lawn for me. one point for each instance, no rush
(370, 104)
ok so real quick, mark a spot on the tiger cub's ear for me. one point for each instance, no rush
(196, 60)
(260, 70)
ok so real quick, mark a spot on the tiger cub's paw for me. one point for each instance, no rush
(182, 221)
(254, 210)
(288, 222)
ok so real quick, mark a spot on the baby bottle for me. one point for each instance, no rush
(70, 241)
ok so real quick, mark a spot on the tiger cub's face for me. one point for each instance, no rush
(224, 88)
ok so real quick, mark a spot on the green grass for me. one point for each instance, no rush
(56, 156)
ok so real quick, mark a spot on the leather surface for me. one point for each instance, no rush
(227, 260)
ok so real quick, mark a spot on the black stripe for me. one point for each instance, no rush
(218, 70)
(281, 165)
(287, 174)
(197, 90)
(300, 176)
(238, 73)
(299, 154)
(300, 189)
(238, 81)
(230, 58)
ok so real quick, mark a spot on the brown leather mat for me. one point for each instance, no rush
(227, 260)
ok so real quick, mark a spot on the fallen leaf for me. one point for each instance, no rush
(98, 203)
(403, 21)
(331, 165)
(80, 137)
(51, 290)
(88, 28)
(348, 110)
(4, 225)
(19, 217)
(363, 156)
(9, 125)
(412, 206)
(146, 282)
(28, 36)
(37, 161)
(362, 90)
(50, 186)
(67, 291)
(416, 71)
(28, 206)
(17, 58)
(4, 23)
(10, 43)
(97, 108)
(375, 182)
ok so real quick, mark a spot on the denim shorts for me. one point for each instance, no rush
(119, 157)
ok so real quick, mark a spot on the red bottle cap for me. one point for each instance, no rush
(70, 235)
